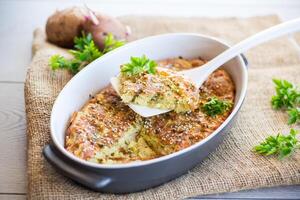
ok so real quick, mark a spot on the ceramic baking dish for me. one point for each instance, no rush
(136, 176)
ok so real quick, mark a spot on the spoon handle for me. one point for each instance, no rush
(252, 41)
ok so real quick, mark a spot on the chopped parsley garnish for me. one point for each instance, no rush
(281, 145)
(216, 106)
(138, 65)
(288, 98)
(84, 52)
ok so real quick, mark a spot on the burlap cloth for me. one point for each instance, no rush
(231, 167)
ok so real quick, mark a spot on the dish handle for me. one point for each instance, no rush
(84, 176)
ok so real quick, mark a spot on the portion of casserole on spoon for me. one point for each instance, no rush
(144, 83)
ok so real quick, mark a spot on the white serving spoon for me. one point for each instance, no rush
(199, 74)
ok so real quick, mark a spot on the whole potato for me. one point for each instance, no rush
(63, 26)
(104, 26)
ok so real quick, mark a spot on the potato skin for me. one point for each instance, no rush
(106, 25)
(63, 26)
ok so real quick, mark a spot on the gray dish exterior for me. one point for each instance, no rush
(133, 179)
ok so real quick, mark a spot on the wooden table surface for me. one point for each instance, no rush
(18, 18)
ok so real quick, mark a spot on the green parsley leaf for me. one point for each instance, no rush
(58, 62)
(111, 43)
(288, 98)
(81, 42)
(216, 107)
(286, 95)
(280, 145)
(85, 51)
(139, 65)
(89, 53)
(294, 115)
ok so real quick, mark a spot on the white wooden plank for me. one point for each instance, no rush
(12, 139)
(12, 196)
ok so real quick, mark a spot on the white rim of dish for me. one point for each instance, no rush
(162, 158)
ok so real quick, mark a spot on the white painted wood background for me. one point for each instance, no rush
(18, 18)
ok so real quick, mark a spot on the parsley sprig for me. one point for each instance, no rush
(216, 106)
(281, 145)
(294, 115)
(81, 42)
(84, 52)
(110, 43)
(138, 65)
(287, 98)
(60, 62)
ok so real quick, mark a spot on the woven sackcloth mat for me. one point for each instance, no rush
(231, 167)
